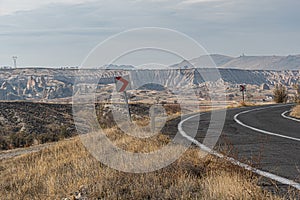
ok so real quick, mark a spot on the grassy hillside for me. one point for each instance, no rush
(66, 170)
(25, 123)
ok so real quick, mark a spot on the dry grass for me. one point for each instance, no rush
(245, 104)
(63, 168)
(296, 112)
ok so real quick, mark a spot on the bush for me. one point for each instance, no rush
(64, 133)
(3, 143)
(21, 139)
(280, 94)
(47, 137)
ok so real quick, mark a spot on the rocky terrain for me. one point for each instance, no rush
(35, 104)
(47, 85)
(25, 123)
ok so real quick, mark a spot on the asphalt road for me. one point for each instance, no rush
(271, 153)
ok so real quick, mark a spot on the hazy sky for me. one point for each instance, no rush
(62, 32)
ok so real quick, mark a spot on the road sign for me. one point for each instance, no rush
(242, 88)
(122, 83)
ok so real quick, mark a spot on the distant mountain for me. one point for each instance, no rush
(265, 62)
(278, 63)
(118, 67)
(291, 62)
(206, 60)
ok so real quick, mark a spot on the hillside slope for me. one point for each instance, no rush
(25, 123)
(291, 62)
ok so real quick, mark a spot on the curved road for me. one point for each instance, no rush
(263, 138)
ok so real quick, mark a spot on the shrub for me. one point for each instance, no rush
(21, 139)
(297, 96)
(280, 94)
(3, 143)
(47, 137)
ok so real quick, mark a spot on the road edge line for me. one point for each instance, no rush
(269, 175)
(260, 130)
(287, 117)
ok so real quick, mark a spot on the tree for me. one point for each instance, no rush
(280, 94)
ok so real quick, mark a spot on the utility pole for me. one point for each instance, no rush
(15, 61)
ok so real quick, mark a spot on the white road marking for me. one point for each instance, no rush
(260, 130)
(287, 117)
(236, 162)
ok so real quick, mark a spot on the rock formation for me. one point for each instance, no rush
(43, 84)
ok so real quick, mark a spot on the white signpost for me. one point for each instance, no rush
(243, 89)
(122, 85)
